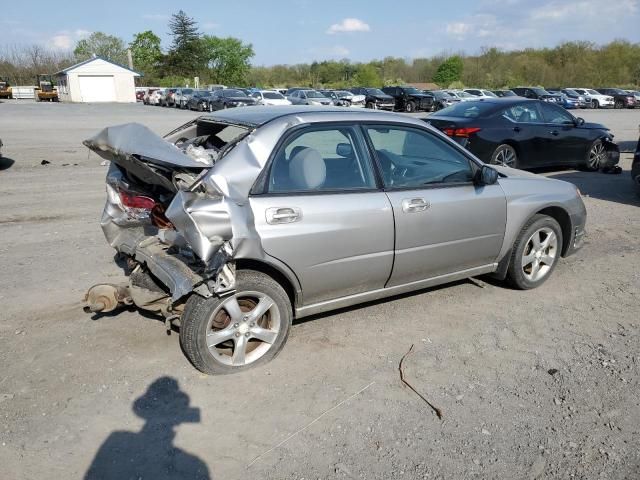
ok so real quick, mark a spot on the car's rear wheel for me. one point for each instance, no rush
(596, 156)
(535, 253)
(410, 107)
(505, 155)
(239, 331)
(595, 104)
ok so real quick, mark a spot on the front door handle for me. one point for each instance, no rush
(279, 215)
(414, 205)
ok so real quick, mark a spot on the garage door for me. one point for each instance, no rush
(97, 88)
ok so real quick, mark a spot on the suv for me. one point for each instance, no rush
(410, 99)
(621, 98)
(247, 218)
(476, 92)
(375, 98)
(595, 99)
(538, 94)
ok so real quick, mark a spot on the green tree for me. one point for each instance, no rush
(367, 76)
(184, 57)
(146, 52)
(227, 59)
(449, 71)
(102, 45)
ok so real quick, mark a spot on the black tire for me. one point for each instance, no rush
(594, 159)
(619, 104)
(198, 313)
(211, 107)
(505, 155)
(200, 107)
(410, 107)
(516, 274)
(370, 105)
(595, 104)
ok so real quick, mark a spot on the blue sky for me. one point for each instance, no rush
(295, 31)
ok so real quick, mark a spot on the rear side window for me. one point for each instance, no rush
(467, 109)
(524, 113)
(413, 158)
(321, 160)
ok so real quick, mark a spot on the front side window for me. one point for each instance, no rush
(524, 113)
(321, 160)
(413, 158)
(556, 115)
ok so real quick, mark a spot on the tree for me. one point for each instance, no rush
(102, 45)
(146, 52)
(367, 76)
(449, 71)
(227, 59)
(184, 57)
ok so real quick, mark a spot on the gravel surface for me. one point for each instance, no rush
(536, 384)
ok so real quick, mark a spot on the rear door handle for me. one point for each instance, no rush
(279, 215)
(414, 205)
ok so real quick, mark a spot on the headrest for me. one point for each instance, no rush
(307, 169)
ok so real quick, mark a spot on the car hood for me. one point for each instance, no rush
(594, 126)
(517, 173)
(383, 98)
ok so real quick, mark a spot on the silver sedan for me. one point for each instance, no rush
(242, 220)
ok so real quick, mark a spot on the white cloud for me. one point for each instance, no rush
(66, 40)
(458, 29)
(349, 25)
(62, 42)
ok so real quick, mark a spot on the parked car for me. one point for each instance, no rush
(344, 98)
(308, 97)
(199, 100)
(165, 95)
(297, 216)
(156, 97)
(229, 98)
(595, 98)
(146, 98)
(442, 99)
(374, 98)
(476, 92)
(410, 99)
(567, 102)
(140, 93)
(636, 94)
(522, 133)
(635, 167)
(537, 93)
(181, 97)
(577, 99)
(463, 96)
(270, 97)
(621, 99)
(282, 91)
(504, 93)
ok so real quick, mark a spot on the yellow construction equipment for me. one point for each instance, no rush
(45, 91)
(5, 88)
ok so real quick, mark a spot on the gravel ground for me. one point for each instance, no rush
(537, 384)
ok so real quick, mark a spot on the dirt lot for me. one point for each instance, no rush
(538, 384)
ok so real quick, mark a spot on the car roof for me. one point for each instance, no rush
(260, 115)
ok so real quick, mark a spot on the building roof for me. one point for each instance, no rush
(89, 60)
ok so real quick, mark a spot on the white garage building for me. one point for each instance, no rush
(97, 80)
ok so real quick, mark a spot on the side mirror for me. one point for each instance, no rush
(344, 150)
(579, 121)
(487, 176)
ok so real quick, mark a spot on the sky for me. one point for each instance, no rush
(300, 31)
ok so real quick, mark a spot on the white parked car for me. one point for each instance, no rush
(156, 97)
(479, 93)
(595, 98)
(462, 95)
(270, 97)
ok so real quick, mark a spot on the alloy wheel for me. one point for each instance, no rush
(596, 156)
(243, 328)
(540, 253)
(506, 157)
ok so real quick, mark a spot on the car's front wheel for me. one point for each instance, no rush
(410, 107)
(535, 253)
(596, 156)
(619, 104)
(505, 155)
(595, 104)
(239, 331)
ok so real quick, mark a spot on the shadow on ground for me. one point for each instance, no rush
(6, 163)
(613, 188)
(150, 453)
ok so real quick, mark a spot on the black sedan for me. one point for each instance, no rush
(522, 133)
(199, 100)
(229, 98)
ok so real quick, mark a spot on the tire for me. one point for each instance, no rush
(595, 104)
(237, 348)
(505, 155)
(200, 107)
(370, 105)
(410, 107)
(527, 268)
(596, 156)
(619, 104)
(211, 107)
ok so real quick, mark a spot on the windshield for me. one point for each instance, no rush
(593, 92)
(314, 94)
(570, 91)
(540, 91)
(463, 94)
(375, 91)
(466, 110)
(412, 90)
(272, 96)
(619, 91)
(489, 94)
(508, 93)
(342, 93)
(187, 91)
(234, 93)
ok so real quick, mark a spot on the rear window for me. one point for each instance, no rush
(467, 109)
(272, 96)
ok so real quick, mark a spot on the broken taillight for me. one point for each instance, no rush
(131, 200)
(463, 132)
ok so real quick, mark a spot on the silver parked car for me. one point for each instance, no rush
(308, 97)
(242, 220)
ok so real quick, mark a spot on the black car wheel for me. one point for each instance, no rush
(200, 107)
(211, 107)
(535, 253)
(619, 104)
(596, 156)
(505, 155)
(410, 107)
(595, 104)
(370, 105)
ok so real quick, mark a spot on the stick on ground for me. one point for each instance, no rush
(401, 370)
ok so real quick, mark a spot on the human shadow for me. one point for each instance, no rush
(150, 453)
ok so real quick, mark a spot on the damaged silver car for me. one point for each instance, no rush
(242, 220)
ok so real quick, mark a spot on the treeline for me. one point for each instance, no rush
(228, 61)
